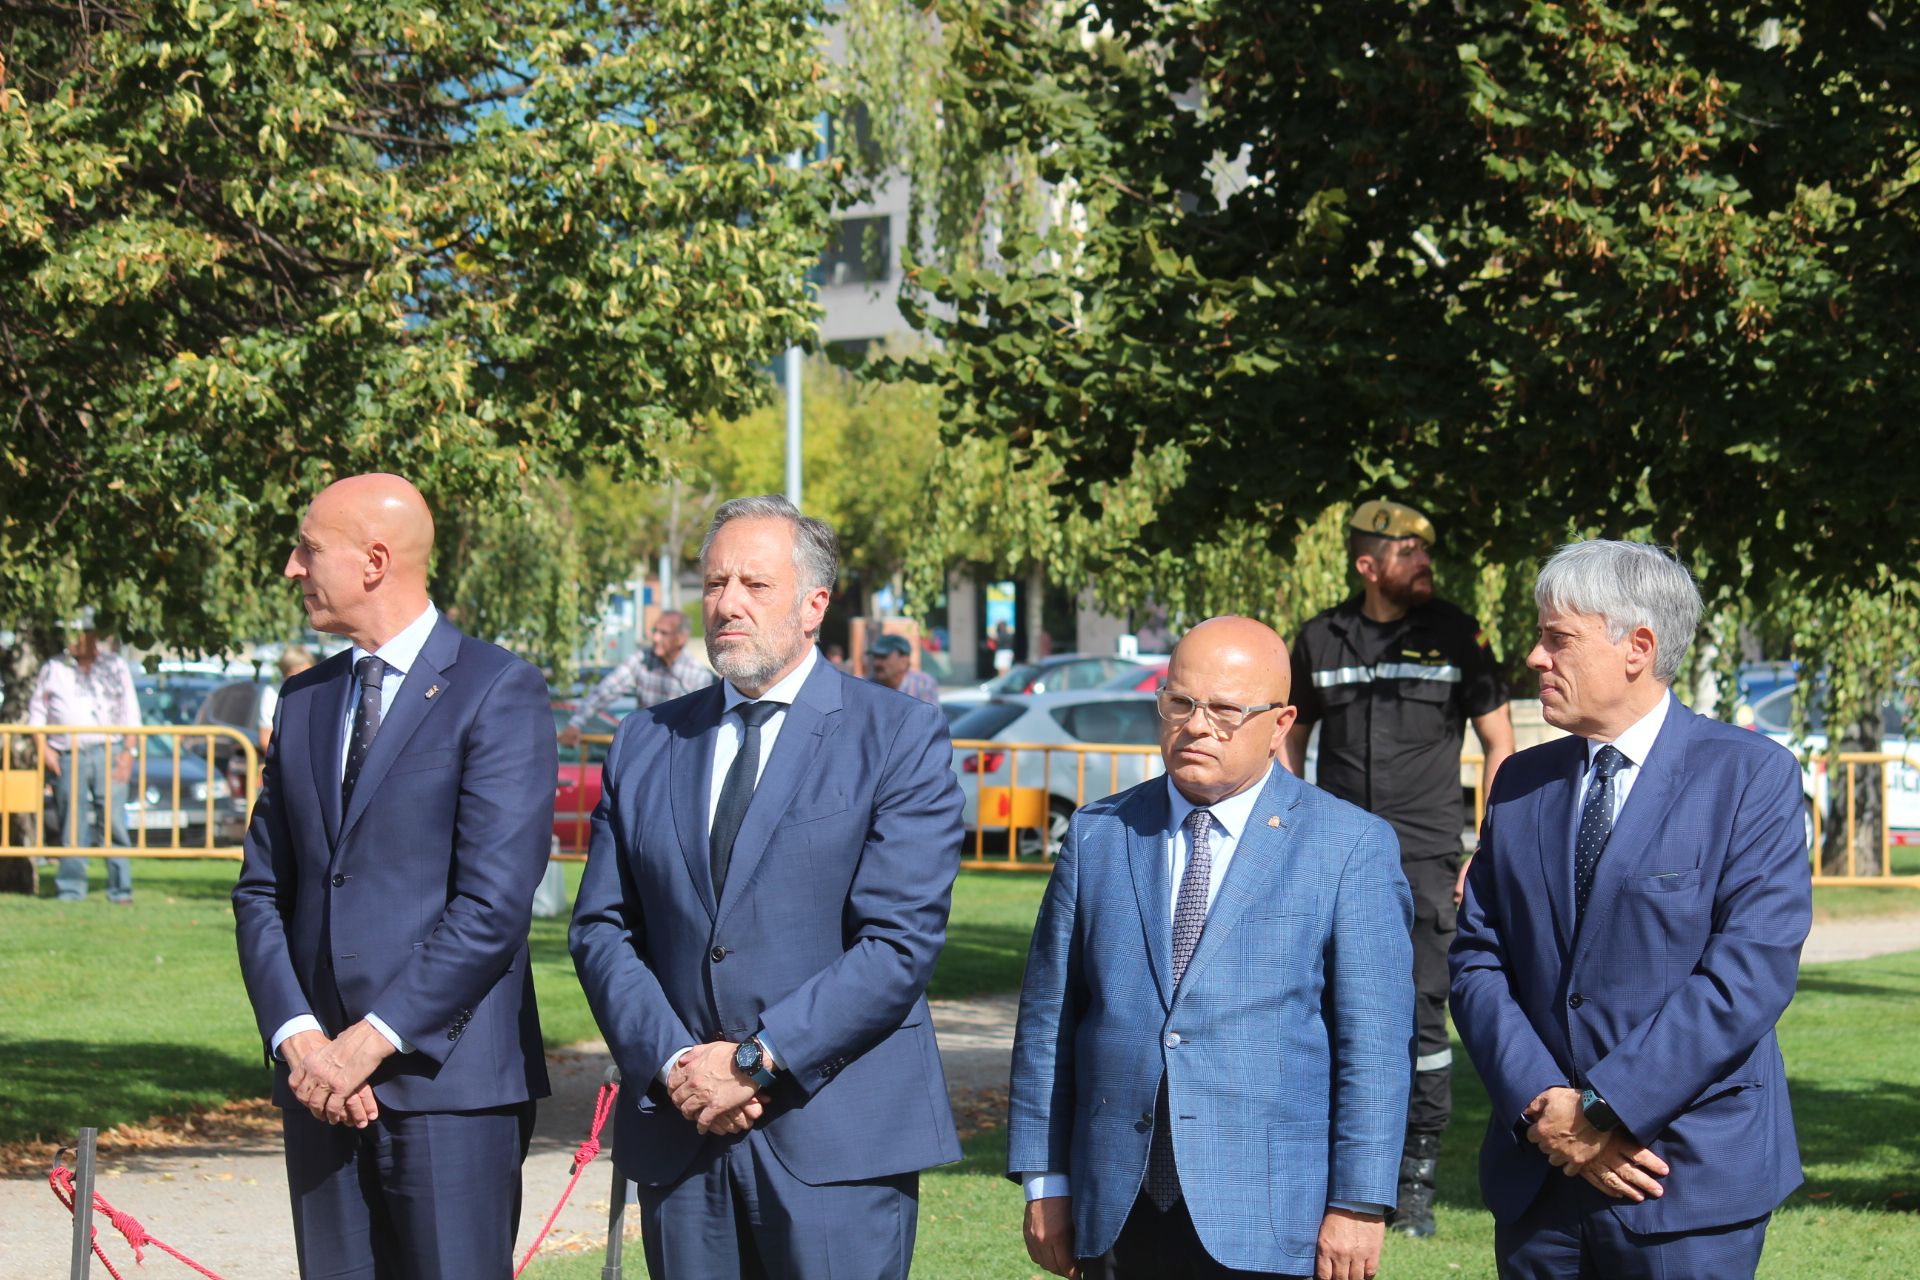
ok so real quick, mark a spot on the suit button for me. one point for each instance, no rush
(717, 954)
(1575, 1000)
(338, 881)
(1172, 1040)
(1144, 1123)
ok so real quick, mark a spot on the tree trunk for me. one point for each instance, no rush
(1863, 734)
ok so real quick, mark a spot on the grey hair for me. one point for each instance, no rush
(816, 552)
(1628, 585)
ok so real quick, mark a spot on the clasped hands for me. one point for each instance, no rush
(329, 1077)
(713, 1093)
(1614, 1163)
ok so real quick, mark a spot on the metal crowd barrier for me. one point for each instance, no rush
(158, 814)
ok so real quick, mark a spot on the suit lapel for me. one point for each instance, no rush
(1146, 830)
(325, 705)
(1553, 826)
(1657, 785)
(411, 706)
(690, 778)
(1257, 857)
(810, 719)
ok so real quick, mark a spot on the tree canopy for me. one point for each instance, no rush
(248, 246)
(1548, 270)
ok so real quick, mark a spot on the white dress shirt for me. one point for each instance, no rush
(399, 653)
(1634, 744)
(727, 741)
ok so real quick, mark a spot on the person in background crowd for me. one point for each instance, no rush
(92, 773)
(654, 675)
(836, 654)
(891, 661)
(1392, 677)
(1630, 937)
(293, 660)
(1211, 1062)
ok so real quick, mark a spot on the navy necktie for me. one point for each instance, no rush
(369, 671)
(736, 793)
(1596, 824)
(1189, 921)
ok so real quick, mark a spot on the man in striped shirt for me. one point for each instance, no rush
(658, 674)
(92, 773)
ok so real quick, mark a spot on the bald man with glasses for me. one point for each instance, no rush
(1214, 1046)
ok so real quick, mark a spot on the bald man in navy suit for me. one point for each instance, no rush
(382, 910)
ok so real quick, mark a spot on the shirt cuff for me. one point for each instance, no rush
(294, 1026)
(1359, 1206)
(393, 1037)
(673, 1060)
(1044, 1186)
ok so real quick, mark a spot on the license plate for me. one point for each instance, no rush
(157, 819)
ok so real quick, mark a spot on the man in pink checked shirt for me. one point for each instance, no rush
(91, 772)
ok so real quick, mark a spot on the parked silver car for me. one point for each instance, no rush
(1046, 786)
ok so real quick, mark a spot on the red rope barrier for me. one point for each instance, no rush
(602, 1108)
(60, 1178)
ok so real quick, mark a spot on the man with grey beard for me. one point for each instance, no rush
(766, 892)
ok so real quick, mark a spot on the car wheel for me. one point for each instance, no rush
(1036, 844)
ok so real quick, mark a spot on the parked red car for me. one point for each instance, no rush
(577, 790)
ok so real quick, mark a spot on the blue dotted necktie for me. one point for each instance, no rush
(736, 793)
(1189, 920)
(369, 671)
(1596, 824)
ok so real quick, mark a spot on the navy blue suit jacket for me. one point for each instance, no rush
(833, 912)
(1664, 1001)
(414, 903)
(1287, 1047)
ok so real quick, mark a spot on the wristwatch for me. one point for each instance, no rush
(751, 1058)
(1598, 1113)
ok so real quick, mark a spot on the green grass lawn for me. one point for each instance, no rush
(115, 1014)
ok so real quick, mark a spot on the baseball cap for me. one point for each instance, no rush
(884, 645)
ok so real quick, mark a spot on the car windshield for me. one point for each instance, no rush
(1015, 680)
(1774, 714)
(985, 721)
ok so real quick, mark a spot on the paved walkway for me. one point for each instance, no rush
(226, 1206)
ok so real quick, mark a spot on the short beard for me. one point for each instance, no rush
(753, 665)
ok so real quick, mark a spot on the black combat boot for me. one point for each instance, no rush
(1418, 1161)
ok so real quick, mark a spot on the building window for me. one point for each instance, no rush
(860, 252)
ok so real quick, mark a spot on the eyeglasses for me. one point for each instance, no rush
(1178, 708)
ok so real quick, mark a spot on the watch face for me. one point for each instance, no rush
(747, 1056)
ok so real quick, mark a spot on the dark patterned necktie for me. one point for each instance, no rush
(1189, 920)
(736, 793)
(370, 671)
(1596, 824)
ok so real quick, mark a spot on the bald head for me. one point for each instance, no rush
(1244, 645)
(1224, 670)
(383, 508)
(362, 558)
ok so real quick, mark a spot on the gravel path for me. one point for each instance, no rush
(225, 1204)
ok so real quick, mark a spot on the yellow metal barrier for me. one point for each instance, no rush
(1853, 762)
(149, 812)
(1060, 777)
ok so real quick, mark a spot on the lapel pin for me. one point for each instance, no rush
(1274, 821)
(433, 690)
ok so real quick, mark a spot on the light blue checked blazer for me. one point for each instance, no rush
(1287, 1047)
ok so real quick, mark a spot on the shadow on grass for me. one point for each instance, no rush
(53, 1087)
(981, 959)
(1816, 983)
(1865, 1132)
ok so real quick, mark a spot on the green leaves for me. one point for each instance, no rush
(245, 248)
